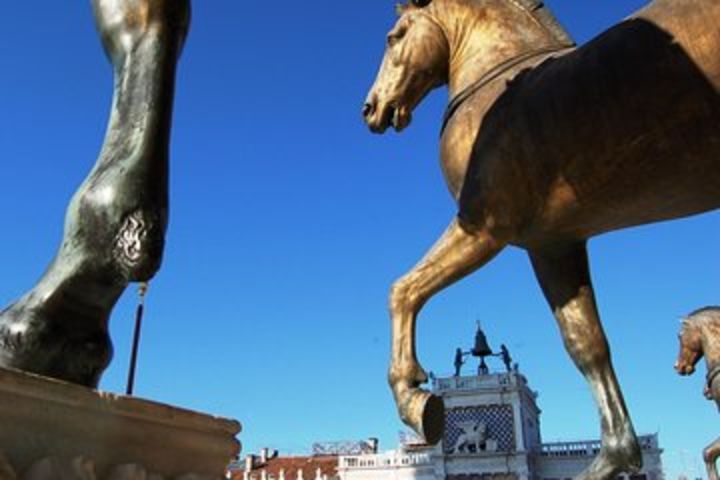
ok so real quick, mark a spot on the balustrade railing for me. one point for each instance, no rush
(475, 382)
(385, 460)
(589, 448)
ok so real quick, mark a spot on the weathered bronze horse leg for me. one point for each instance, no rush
(456, 254)
(710, 455)
(115, 223)
(564, 276)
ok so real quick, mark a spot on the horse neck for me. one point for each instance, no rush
(710, 337)
(484, 35)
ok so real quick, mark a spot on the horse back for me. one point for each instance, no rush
(619, 132)
(693, 25)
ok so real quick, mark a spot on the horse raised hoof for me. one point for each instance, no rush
(423, 412)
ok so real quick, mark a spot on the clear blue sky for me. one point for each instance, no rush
(289, 221)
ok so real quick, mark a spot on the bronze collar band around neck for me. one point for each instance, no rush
(491, 75)
(711, 376)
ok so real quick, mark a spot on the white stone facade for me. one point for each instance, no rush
(560, 461)
(394, 465)
(492, 432)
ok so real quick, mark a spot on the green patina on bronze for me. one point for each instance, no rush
(115, 223)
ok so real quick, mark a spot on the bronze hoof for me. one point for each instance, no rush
(424, 413)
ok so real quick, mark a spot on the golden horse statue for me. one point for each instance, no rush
(543, 146)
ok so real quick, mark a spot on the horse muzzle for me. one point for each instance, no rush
(379, 116)
(684, 368)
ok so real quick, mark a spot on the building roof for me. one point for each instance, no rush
(291, 467)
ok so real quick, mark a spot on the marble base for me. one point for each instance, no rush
(51, 430)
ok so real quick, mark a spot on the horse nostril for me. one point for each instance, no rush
(367, 109)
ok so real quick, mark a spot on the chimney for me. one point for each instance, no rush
(249, 463)
(264, 455)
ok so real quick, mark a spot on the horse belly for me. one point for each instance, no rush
(633, 197)
(668, 168)
(663, 118)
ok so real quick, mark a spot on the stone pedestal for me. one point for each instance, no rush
(50, 430)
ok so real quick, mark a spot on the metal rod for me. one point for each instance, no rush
(142, 290)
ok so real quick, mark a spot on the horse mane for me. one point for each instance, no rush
(537, 9)
(545, 17)
(705, 318)
(712, 310)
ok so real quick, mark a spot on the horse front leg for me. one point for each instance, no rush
(456, 254)
(564, 276)
(710, 455)
(115, 223)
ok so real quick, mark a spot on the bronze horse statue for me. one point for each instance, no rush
(115, 223)
(543, 146)
(699, 336)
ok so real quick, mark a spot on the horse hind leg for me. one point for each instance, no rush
(564, 276)
(710, 455)
(456, 254)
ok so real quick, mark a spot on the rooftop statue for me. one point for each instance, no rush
(115, 223)
(544, 146)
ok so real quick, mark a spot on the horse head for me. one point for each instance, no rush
(436, 42)
(416, 61)
(699, 328)
(691, 350)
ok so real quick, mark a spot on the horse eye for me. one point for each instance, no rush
(421, 3)
(394, 36)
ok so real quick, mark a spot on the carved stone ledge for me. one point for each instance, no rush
(53, 430)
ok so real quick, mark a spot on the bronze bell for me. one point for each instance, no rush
(481, 348)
